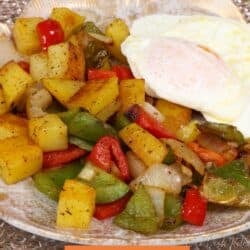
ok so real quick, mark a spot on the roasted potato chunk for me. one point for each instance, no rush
(3, 106)
(49, 132)
(118, 31)
(109, 110)
(61, 89)
(68, 19)
(76, 205)
(19, 159)
(95, 95)
(25, 35)
(131, 92)
(66, 60)
(14, 81)
(148, 148)
(39, 66)
(12, 125)
(175, 115)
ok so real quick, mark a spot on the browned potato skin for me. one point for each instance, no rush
(19, 159)
(147, 147)
(14, 82)
(68, 19)
(76, 205)
(76, 68)
(66, 61)
(175, 115)
(118, 31)
(95, 95)
(12, 125)
(132, 92)
(25, 35)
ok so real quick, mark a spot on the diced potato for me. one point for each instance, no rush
(12, 126)
(96, 95)
(175, 115)
(68, 19)
(76, 205)
(118, 31)
(66, 60)
(148, 148)
(131, 92)
(39, 66)
(49, 132)
(14, 81)
(61, 89)
(19, 159)
(3, 106)
(108, 111)
(25, 35)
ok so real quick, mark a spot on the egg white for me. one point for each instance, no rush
(164, 50)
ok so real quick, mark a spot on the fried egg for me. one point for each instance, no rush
(201, 62)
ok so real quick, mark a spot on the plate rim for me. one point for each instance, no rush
(71, 238)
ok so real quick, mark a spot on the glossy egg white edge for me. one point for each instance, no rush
(21, 205)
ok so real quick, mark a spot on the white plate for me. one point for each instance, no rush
(21, 205)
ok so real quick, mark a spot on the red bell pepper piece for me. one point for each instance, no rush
(99, 74)
(56, 158)
(207, 155)
(106, 148)
(146, 121)
(194, 207)
(122, 72)
(49, 32)
(25, 66)
(105, 211)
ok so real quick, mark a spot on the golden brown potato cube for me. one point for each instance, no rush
(175, 115)
(25, 35)
(95, 95)
(19, 159)
(76, 205)
(148, 148)
(14, 81)
(62, 89)
(109, 110)
(3, 106)
(68, 19)
(66, 60)
(131, 92)
(39, 66)
(49, 132)
(12, 126)
(118, 31)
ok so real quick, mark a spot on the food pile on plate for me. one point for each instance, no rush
(146, 124)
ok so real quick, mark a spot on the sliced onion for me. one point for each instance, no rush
(154, 112)
(158, 197)
(184, 152)
(101, 38)
(38, 99)
(136, 166)
(87, 173)
(168, 178)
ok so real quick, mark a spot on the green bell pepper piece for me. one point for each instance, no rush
(172, 212)
(121, 121)
(170, 157)
(50, 182)
(225, 191)
(235, 170)
(227, 132)
(108, 187)
(85, 126)
(139, 214)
